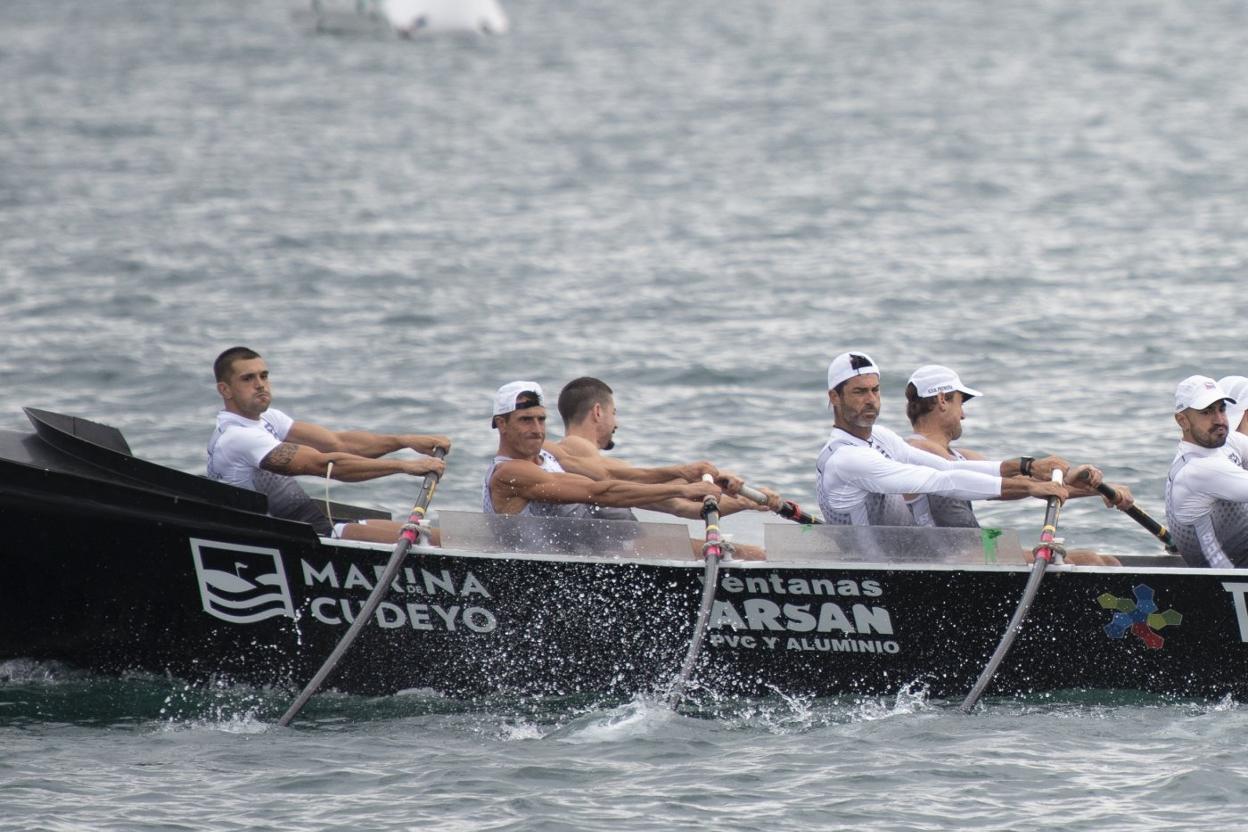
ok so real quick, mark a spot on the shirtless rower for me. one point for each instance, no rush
(935, 396)
(527, 479)
(1207, 488)
(259, 447)
(587, 407)
(864, 470)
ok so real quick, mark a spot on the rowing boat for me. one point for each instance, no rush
(113, 563)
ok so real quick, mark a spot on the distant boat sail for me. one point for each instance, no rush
(407, 17)
(412, 16)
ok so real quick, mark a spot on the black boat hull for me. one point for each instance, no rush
(111, 575)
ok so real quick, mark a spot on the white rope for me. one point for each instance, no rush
(1055, 546)
(329, 469)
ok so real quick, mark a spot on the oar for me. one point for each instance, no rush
(1140, 516)
(411, 531)
(1043, 555)
(712, 552)
(788, 510)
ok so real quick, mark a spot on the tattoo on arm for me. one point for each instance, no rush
(278, 460)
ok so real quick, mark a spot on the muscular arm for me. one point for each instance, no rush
(518, 482)
(295, 460)
(363, 443)
(692, 509)
(578, 455)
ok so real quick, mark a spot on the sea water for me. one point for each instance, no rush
(700, 203)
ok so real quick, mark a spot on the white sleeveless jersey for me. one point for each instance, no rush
(533, 508)
(939, 510)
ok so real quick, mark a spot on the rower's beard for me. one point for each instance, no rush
(1209, 441)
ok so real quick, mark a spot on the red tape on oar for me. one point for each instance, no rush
(789, 510)
(407, 538)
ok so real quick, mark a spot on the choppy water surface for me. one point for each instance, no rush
(700, 203)
(160, 756)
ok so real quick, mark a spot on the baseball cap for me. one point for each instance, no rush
(505, 398)
(842, 367)
(1198, 392)
(1237, 388)
(934, 379)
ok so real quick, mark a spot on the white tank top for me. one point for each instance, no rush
(941, 511)
(534, 508)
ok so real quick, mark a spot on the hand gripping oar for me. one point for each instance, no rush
(788, 510)
(411, 531)
(712, 551)
(1044, 554)
(1140, 516)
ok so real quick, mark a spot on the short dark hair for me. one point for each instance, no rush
(579, 396)
(916, 406)
(223, 367)
(856, 362)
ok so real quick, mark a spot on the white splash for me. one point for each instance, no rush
(410, 17)
(639, 718)
(912, 698)
(521, 730)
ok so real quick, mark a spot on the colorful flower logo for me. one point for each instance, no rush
(1139, 616)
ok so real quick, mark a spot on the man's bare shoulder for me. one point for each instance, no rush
(925, 444)
(518, 467)
(577, 446)
(578, 455)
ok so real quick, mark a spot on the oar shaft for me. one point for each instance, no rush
(1044, 555)
(1140, 516)
(712, 552)
(407, 538)
(789, 510)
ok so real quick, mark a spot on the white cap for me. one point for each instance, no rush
(933, 379)
(842, 368)
(505, 398)
(1198, 392)
(1237, 388)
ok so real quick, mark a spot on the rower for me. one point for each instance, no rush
(1237, 413)
(1207, 487)
(587, 407)
(935, 399)
(526, 479)
(864, 469)
(259, 447)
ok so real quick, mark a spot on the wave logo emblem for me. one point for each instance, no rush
(241, 584)
(1139, 616)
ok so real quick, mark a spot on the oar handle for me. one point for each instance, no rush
(1140, 516)
(789, 510)
(423, 498)
(710, 513)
